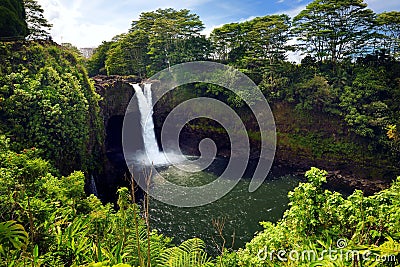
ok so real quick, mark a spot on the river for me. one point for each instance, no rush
(240, 210)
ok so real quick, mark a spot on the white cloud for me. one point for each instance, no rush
(247, 19)
(88, 23)
(208, 30)
(294, 56)
(70, 23)
(292, 12)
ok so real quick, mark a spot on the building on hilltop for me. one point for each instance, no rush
(87, 52)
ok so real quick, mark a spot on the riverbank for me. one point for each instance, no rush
(304, 139)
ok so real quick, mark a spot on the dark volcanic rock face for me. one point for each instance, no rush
(116, 93)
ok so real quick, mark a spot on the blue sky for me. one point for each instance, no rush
(88, 23)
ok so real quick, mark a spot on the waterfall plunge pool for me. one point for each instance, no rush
(240, 210)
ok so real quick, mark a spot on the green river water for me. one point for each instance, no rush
(242, 211)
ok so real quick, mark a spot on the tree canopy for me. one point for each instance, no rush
(326, 30)
(12, 19)
(260, 39)
(157, 40)
(38, 25)
(389, 26)
(334, 30)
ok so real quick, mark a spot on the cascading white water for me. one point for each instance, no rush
(145, 102)
(92, 186)
(146, 118)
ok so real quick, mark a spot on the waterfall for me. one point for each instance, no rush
(92, 186)
(145, 103)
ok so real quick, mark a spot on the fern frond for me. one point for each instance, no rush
(189, 254)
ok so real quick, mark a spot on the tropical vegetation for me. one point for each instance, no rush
(51, 135)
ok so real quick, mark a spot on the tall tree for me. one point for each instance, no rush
(38, 25)
(267, 38)
(173, 36)
(333, 30)
(227, 42)
(157, 40)
(263, 39)
(96, 63)
(116, 62)
(128, 55)
(389, 26)
(12, 19)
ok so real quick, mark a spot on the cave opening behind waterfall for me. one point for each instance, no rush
(116, 172)
(115, 168)
(114, 134)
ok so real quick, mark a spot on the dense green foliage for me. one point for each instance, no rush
(12, 19)
(157, 40)
(334, 30)
(51, 135)
(364, 94)
(320, 220)
(96, 64)
(64, 228)
(47, 102)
